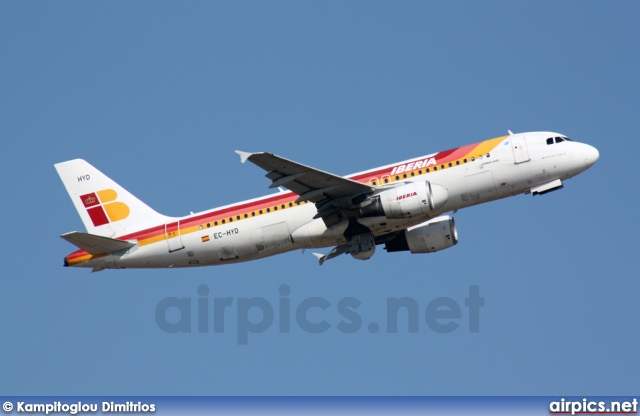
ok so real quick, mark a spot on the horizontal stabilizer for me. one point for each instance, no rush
(96, 244)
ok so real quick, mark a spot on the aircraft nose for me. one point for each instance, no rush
(591, 155)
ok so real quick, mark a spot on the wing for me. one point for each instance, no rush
(330, 193)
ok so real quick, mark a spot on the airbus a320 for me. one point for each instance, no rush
(403, 206)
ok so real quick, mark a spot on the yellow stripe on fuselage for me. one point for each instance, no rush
(488, 146)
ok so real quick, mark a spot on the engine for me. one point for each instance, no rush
(428, 237)
(408, 201)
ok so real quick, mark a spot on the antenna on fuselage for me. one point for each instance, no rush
(510, 133)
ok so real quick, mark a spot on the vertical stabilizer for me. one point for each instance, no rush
(106, 208)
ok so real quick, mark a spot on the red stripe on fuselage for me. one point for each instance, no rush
(440, 157)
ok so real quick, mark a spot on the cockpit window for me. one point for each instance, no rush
(558, 140)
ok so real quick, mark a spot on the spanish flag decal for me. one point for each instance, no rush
(205, 238)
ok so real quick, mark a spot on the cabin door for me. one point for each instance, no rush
(174, 239)
(520, 151)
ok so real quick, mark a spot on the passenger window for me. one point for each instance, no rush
(473, 158)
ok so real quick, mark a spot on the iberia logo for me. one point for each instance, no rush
(102, 209)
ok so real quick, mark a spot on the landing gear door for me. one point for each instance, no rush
(174, 239)
(520, 151)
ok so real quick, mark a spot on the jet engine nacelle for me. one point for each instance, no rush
(412, 200)
(434, 235)
(428, 237)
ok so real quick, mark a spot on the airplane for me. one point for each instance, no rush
(403, 206)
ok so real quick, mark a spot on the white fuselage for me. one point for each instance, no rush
(514, 165)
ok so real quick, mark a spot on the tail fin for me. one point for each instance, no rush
(106, 208)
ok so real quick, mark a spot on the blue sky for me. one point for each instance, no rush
(158, 95)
